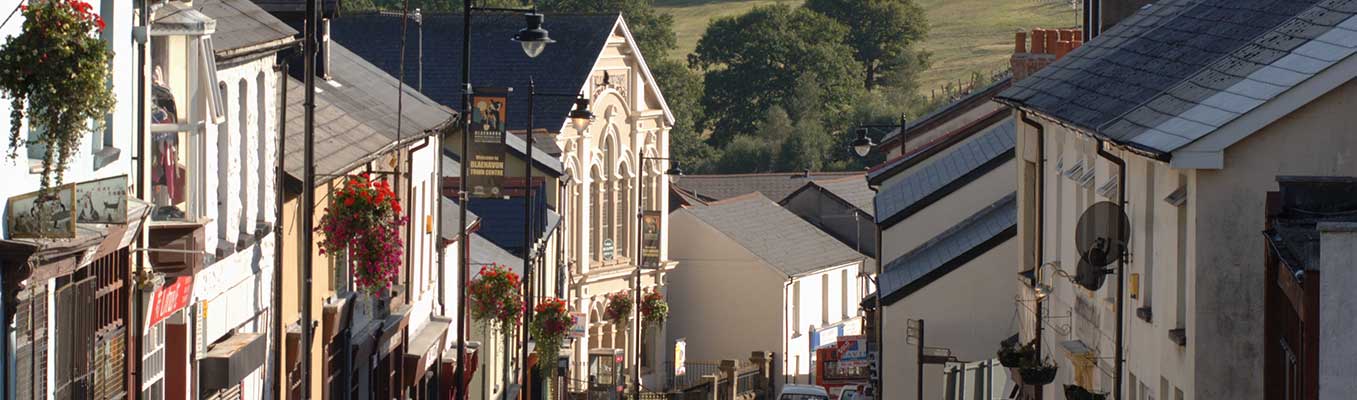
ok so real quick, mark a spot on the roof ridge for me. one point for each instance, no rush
(740, 199)
(972, 127)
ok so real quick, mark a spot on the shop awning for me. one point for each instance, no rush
(392, 327)
(228, 362)
(425, 348)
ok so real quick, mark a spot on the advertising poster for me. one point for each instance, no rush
(102, 202)
(485, 173)
(650, 239)
(49, 214)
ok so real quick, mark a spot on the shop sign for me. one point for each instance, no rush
(485, 166)
(608, 249)
(38, 215)
(680, 356)
(852, 351)
(102, 201)
(168, 299)
(650, 239)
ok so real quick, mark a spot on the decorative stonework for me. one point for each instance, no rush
(609, 80)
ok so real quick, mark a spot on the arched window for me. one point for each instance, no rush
(264, 149)
(625, 216)
(224, 178)
(609, 196)
(243, 149)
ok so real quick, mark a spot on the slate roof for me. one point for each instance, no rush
(780, 238)
(1178, 70)
(925, 151)
(951, 110)
(852, 190)
(355, 115)
(451, 216)
(951, 249)
(563, 67)
(483, 252)
(933, 181)
(774, 185)
(242, 24)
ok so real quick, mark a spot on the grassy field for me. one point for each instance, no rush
(965, 36)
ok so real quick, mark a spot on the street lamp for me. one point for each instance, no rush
(862, 146)
(534, 39)
(579, 118)
(674, 172)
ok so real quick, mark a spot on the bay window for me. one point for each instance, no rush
(185, 95)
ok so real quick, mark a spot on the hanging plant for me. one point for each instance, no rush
(1076, 392)
(653, 307)
(494, 296)
(364, 219)
(551, 320)
(1037, 373)
(618, 308)
(1011, 355)
(56, 73)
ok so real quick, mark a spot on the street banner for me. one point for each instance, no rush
(169, 299)
(650, 239)
(102, 201)
(680, 356)
(43, 214)
(579, 324)
(485, 173)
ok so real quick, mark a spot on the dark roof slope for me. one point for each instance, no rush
(780, 238)
(1179, 69)
(923, 152)
(497, 61)
(242, 24)
(944, 175)
(952, 110)
(950, 250)
(774, 185)
(356, 115)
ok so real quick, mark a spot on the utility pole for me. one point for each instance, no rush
(308, 189)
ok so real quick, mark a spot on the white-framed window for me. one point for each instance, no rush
(844, 290)
(185, 95)
(796, 308)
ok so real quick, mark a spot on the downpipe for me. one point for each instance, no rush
(1121, 273)
(1040, 221)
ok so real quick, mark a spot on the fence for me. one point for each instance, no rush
(692, 374)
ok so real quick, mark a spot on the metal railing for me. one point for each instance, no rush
(692, 375)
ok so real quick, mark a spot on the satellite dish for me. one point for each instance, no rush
(1100, 237)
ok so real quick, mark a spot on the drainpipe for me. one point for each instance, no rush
(142, 132)
(279, 177)
(1121, 271)
(1041, 219)
(786, 322)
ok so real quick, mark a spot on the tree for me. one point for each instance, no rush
(882, 33)
(745, 154)
(756, 60)
(808, 149)
(682, 89)
(653, 31)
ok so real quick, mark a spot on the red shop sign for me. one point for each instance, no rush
(170, 298)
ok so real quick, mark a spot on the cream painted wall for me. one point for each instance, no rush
(945, 213)
(968, 310)
(1337, 311)
(1314, 140)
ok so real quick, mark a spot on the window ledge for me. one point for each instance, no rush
(1145, 313)
(1178, 336)
(106, 156)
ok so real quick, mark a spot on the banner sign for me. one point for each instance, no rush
(485, 173)
(680, 356)
(650, 239)
(102, 201)
(168, 299)
(579, 324)
(852, 351)
(49, 214)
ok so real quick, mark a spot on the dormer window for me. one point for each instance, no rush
(185, 96)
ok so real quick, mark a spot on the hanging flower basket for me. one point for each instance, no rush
(1012, 355)
(653, 307)
(1075, 392)
(55, 73)
(494, 296)
(551, 320)
(364, 219)
(618, 308)
(1038, 374)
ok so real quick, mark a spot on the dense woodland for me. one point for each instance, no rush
(778, 88)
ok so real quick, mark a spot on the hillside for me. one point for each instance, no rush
(966, 35)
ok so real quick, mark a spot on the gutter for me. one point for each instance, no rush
(1134, 148)
(273, 46)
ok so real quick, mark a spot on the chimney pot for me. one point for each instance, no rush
(1038, 41)
(1067, 34)
(1019, 42)
(1062, 47)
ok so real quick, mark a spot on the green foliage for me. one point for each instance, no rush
(56, 74)
(682, 89)
(745, 154)
(809, 148)
(881, 33)
(425, 6)
(755, 61)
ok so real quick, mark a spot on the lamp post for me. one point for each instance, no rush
(862, 146)
(534, 39)
(675, 172)
(579, 119)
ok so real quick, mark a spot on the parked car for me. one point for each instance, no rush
(849, 392)
(803, 392)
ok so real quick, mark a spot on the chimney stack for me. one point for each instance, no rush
(1047, 46)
